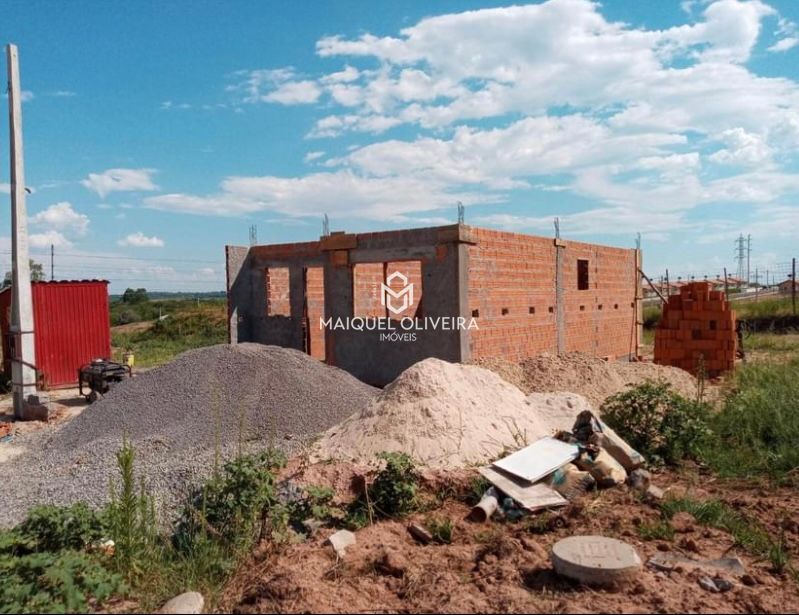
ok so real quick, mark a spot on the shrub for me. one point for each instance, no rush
(235, 504)
(56, 528)
(61, 582)
(658, 422)
(393, 493)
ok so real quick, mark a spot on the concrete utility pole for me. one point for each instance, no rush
(27, 404)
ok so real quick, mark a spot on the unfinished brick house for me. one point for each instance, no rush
(520, 294)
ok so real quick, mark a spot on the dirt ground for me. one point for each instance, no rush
(66, 404)
(504, 566)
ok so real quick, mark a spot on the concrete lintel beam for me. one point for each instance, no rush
(458, 233)
(339, 241)
(385, 255)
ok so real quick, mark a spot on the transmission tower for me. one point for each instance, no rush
(325, 226)
(253, 234)
(740, 255)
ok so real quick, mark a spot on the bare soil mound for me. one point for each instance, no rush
(448, 415)
(588, 376)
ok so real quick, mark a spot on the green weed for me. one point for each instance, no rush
(660, 530)
(658, 422)
(440, 529)
(758, 426)
(748, 533)
(392, 494)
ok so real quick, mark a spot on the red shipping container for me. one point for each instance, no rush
(71, 324)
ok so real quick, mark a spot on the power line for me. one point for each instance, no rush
(122, 258)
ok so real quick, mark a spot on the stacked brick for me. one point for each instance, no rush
(697, 329)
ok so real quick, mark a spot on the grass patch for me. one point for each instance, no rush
(54, 561)
(440, 530)
(652, 314)
(757, 429)
(763, 308)
(659, 530)
(772, 342)
(188, 325)
(748, 533)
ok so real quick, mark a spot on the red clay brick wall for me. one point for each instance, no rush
(366, 281)
(277, 291)
(600, 320)
(315, 298)
(511, 273)
(697, 325)
(413, 271)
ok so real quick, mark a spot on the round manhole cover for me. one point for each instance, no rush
(595, 560)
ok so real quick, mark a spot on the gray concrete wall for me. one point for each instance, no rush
(362, 353)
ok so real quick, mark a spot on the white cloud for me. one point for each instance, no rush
(140, 240)
(550, 96)
(5, 188)
(295, 93)
(742, 148)
(47, 239)
(340, 193)
(61, 217)
(62, 94)
(120, 180)
(274, 85)
(785, 44)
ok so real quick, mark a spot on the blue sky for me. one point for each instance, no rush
(156, 133)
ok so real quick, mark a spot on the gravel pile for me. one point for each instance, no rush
(179, 416)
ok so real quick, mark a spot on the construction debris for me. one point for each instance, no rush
(551, 471)
(340, 541)
(486, 507)
(536, 461)
(420, 534)
(667, 562)
(596, 560)
(530, 496)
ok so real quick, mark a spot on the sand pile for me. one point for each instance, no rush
(589, 376)
(177, 416)
(448, 415)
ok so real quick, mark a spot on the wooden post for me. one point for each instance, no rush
(793, 285)
(23, 361)
(726, 289)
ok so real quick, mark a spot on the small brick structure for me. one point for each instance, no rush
(697, 325)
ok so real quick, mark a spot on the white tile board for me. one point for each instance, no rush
(534, 462)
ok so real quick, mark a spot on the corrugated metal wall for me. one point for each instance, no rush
(72, 327)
